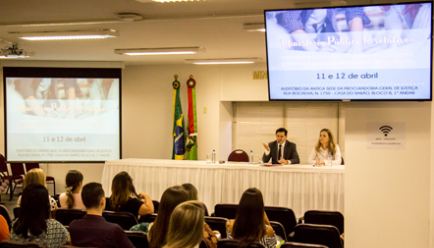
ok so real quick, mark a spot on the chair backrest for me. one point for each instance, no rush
(301, 245)
(5, 213)
(18, 244)
(333, 218)
(148, 218)
(318, 234)
(66, 216)
(3, 165)
(284, 216)
(56, 198)
(17, 169)
(279, 229)
(231, 243)
(16, 212)
(226, 210)
(238, 155)
(217, 224)
(139, 239)
(156, 205)
(30, 166)
(206, 209)
(124, 219)
(203, 244)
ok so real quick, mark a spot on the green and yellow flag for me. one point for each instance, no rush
(178, 124)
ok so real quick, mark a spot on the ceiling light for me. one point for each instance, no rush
(160, 51)
(67, 35)
(168, 1)
(227, 61)
(254, 27)
(14, 52)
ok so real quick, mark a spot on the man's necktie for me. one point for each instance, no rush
(280, 152)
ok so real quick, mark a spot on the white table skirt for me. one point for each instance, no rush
(300, 187)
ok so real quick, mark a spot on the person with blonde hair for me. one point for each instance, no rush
(326, 146)
(72, 198)
(186, 225)
(37, 175)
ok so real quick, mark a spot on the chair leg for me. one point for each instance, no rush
(54, 186)
(12, 191)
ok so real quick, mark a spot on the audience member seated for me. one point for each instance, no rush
(325, 145)
(208, 234)
(171, 198)
(34, 223)
(124, 197)
(4, 229)
(186, 225)
(251, 223)
(37, 175)
(93, 230)
(72, 198)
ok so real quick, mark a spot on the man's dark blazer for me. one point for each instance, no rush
(289, 153)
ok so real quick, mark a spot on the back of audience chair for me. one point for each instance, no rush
(139, 239)
(5, 213)
(148, 218)
(226, 210)
(284, 216)
(300, 245)
(318, 234)
(124, 219)
(19, 244)
(16, 212)
(156, 205)
(217, 224)
(231, 243)
(279, 230)
(66, 216)
(203, 244)
(333, 218)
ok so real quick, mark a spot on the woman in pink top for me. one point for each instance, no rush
(72, 197)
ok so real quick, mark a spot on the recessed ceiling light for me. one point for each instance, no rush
(226, 61)
(160, 51)
(67, 35)
(254, 27)
(168, 1)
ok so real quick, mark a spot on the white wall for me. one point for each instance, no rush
(387, 191)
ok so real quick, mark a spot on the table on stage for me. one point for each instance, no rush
(300, 187)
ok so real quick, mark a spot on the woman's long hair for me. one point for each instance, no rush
(73, 180)
(35, 175)
(331, 145)
(249, 223)
(171, 198)
(34, 211)
(122, 189)
(186, 225)
(191, 191)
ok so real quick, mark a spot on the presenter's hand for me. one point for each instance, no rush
(266, 147)
(282, 161)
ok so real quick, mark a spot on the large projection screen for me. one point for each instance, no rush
(62, 114)
(375, 52)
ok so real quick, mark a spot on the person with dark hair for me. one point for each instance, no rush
(34, 223)
(171, 198)
(93, 230)
(251, 223)
(72, 197)
(281, 151)
(191, 191)
(124, 197)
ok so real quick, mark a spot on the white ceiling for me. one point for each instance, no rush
(216, 25)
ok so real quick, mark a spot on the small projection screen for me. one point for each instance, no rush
(62, 114)
(375, 52)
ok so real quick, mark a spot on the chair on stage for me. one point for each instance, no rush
(284, 216)
(139, 239)
(217, 224)
(124, 219)
(301, 245)
(333, 218)
(238, 155)
(226, 210)
(318, 234)
(49, 179)
(66, 216)
(17, 177)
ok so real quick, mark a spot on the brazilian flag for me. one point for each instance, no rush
(178, 124)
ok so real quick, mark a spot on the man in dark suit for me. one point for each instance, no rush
(281, 151)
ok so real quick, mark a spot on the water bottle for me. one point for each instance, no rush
(213, 157)
(329, 160)
(251, 156)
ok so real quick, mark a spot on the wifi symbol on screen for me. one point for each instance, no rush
(386, 130)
